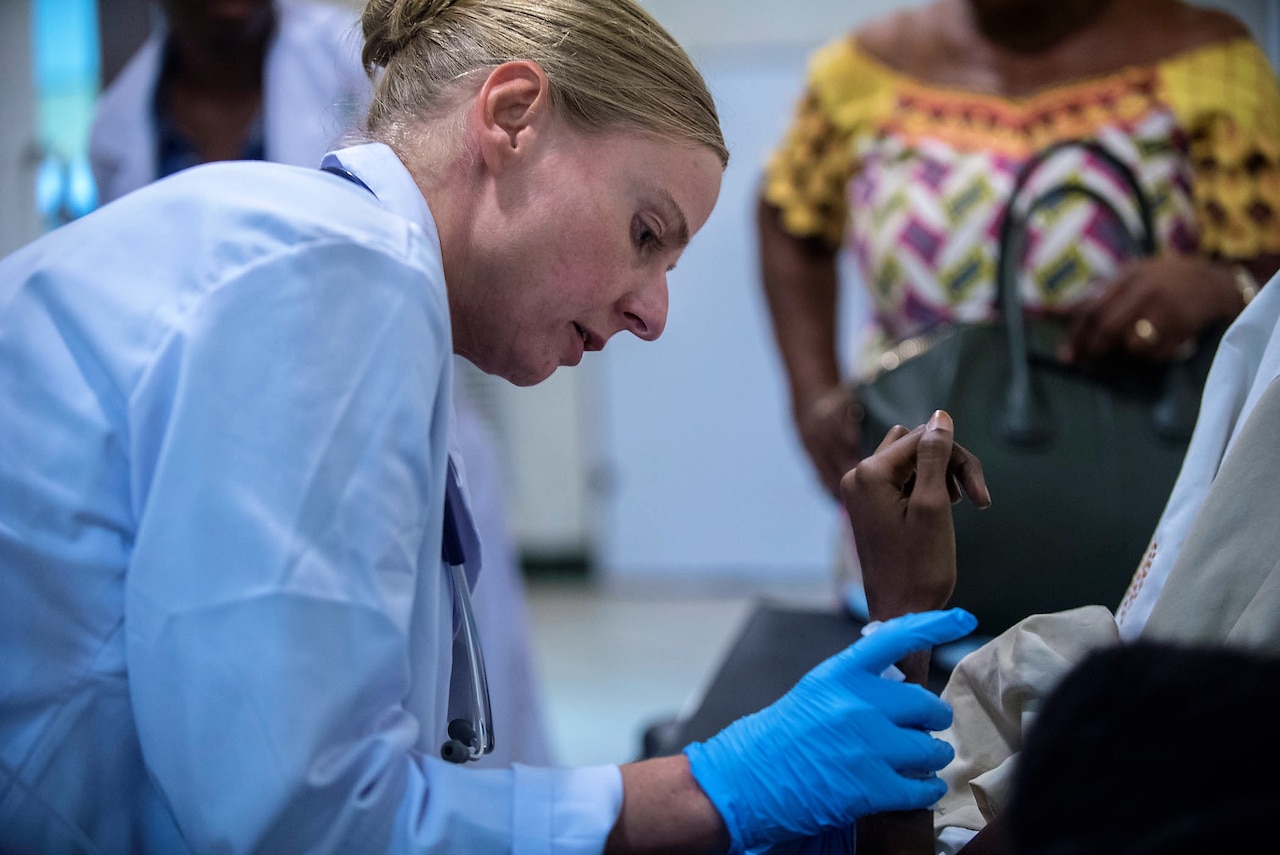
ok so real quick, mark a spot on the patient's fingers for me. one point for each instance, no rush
(966, 470)
(965, 475)
(895, 433)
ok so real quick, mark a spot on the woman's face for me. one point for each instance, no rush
(579, 249)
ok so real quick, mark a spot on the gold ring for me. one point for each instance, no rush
(1146, 331)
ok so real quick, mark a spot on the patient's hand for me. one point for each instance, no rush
(899, 501)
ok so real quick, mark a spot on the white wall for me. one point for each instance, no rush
(742, 24)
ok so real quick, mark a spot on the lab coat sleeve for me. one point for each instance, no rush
(288, 477)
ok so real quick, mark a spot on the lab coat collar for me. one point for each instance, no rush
(387, 177)
(122, 149)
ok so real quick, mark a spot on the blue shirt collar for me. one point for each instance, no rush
(386, 176)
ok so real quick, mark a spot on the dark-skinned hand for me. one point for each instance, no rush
(899, 503)
(1151, 309)
(828, 428)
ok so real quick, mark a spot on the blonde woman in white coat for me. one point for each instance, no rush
(282, 81)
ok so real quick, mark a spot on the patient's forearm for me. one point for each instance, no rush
(900, 832)
(915, 667)
(907, 832)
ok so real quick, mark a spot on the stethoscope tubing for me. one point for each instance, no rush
(481, 723)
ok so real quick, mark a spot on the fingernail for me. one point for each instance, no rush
(940, 420)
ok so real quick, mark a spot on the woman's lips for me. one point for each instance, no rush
(590, 341)
(580, 345)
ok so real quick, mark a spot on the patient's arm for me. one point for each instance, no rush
(898, 833)
(899, 501)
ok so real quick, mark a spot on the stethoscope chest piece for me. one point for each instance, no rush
(458, 747)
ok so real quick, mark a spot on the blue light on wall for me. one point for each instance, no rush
(65, 40)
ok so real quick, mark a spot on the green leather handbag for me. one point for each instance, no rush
(1079, 460)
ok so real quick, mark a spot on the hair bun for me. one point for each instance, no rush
(389, 25)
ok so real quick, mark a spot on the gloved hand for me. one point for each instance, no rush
(843, 743)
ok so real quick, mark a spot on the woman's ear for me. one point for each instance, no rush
(512, 108)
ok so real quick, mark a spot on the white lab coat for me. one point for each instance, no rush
(314, 92)
(224, 621)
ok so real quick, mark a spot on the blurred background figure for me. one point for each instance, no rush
(903, 152)
(282, 81)
(229, 80)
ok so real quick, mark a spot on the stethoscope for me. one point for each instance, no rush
(471, 735)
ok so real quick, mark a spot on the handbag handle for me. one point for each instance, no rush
(1147, 237)
(1027, 420)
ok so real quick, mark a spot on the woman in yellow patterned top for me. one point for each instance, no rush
(904, 150)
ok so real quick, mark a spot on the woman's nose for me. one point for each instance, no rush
(644, 312)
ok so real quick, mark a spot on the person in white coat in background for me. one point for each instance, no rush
(261, 80)
(281, 80)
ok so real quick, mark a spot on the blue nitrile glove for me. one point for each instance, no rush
(843, 743)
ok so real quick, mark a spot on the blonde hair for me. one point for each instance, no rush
(610, 64)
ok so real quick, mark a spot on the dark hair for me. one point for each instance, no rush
(1151, 749)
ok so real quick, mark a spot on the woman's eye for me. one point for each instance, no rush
(645, 236)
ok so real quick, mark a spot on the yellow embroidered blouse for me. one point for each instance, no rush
(912, 177)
